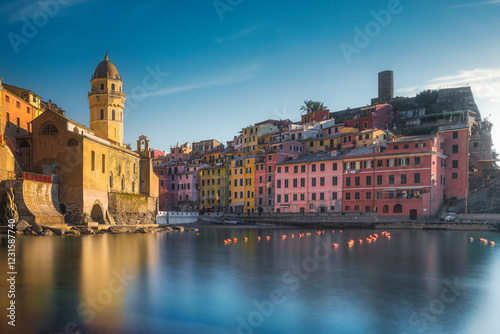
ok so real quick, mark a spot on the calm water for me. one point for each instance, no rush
(417, 282)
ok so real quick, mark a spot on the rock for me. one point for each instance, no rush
(178, 228)
(118, 229)
(73, 232)
(48, 233)
(76, 229)
(195, 229)
(22, 225)
(168, 228)
(87, 230)
(29, 231)
(36, 228)
(145, 230)
(19, 232)
(100, 232)
(57, 231)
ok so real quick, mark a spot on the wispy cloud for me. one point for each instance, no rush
(16, 10)
(485, 83)
(476, 4)
(237, 35)
(233, 78)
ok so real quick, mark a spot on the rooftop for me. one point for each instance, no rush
(312, 157)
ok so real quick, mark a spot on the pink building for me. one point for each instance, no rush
(310, 183)
(456, 147)
(188, 188)
(380, 116)
(332, 130)
(180, 152)
(406, 179)
(265, 171)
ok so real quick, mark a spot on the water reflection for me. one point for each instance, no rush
(189, 283)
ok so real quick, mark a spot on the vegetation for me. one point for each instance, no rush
(311, 106)
(427, 98)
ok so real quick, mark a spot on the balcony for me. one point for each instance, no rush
(110, 92)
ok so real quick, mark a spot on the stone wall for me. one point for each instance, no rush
(127, 209)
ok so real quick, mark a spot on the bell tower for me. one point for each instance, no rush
(106, 102)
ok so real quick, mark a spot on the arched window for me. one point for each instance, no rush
(101, 114)
(110, 180)
(133, 186)
(113, 114)
(112, 86)
(398, 208)
(72, 142)
(123, 183)
(50, 129)
(102, 86)
(385, 209)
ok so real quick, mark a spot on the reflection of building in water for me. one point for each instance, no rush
(109, 266)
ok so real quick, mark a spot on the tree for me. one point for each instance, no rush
(427, 98)
(311, 106)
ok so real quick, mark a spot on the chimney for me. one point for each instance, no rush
(385, 86)
(1, 82)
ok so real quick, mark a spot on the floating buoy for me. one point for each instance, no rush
(351, 242)
(245, 239)
(360, 241)
(235, 240)
(292, 236)
(471, 239)
(333, 231)
(334, 245)
(340, 231)
(258, 238)
(492, 243)
(268, 237)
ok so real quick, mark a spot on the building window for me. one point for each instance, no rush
(102, 86)
(279, 169)
(101, 114)
(347, 196)
(334, 180)
(356, 195)
(302, 182)
(112, 86)
(416, 178)
(334, 166)
(123, 183)
(18, 125)
(278, 198)
(454, 164)
(380, 163)
(454, 175)
(348, 182)
(368, 195)
(455, 149)
(295, 169)
(313, 196)
(111, 180)
(313, 167)
(302, 197)
(321, 196)
(391, 179)
(475, 144)
(322, 167)
(286, 183)
(379, 180)
(50, 129)
(295, 183)
(113, 114)
(368, 180)
(417, 161)
(286, 198)
(455, 134)
(321, 181)
(403, 178)
(357, 181)
(303, 168)
(103, 164)
(92, 161)
(313, 182)
(334, 195)
(278, 184)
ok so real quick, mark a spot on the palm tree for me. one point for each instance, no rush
(311, 106)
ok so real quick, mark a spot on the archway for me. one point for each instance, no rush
(97, 214)
(385, 209)
(398, 208)
(413, 214)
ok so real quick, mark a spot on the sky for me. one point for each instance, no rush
(203, 69)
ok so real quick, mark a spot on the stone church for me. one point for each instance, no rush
(96, 177)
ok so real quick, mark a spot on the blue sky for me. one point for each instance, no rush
(225, 64)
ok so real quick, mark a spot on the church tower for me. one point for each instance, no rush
(106, 102)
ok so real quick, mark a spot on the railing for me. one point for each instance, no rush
(34, 177)
(111, 92)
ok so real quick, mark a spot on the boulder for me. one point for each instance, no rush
(178, 228)
(48, 233)
(73, 232)
(36, 228)
(19, 232)
(57, 231)
(87, 230)
(22, 225)
(100, 232)
(118, 229)
(167, 228)
(29, 231)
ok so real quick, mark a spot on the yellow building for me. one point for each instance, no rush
(250, 138)
(325, 144)
(214, 188)
(370, 137)
(241, 184)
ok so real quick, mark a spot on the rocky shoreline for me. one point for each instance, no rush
(22, 227)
